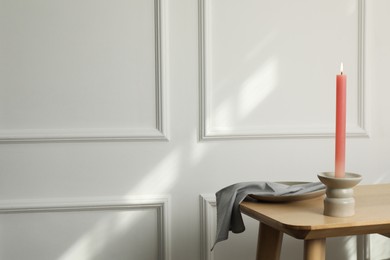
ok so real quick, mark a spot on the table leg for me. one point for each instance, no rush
(269, 243)
(314, 249)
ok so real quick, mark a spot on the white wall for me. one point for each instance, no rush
(113, 122)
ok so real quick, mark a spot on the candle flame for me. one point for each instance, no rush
(341, 68)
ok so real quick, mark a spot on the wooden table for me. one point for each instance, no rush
(305, 220)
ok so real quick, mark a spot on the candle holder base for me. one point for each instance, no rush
(339, 200)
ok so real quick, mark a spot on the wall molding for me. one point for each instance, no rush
(206, 133)
(156, 133)
(207, 225)
(160, 204)
(84, 135)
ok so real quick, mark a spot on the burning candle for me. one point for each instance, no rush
(341, 84)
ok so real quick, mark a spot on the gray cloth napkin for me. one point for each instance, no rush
(229, 198)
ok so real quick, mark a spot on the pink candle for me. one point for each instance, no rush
(341, 84)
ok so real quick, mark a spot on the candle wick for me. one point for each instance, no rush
(341, 72)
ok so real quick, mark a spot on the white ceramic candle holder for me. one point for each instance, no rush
(339, 200)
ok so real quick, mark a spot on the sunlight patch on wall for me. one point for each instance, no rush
(350, 247)
(380, 247)
(225, 112)
(266, 40)
(342, 248)
(197, 151)
(352, 7)
(162, 177)
(115, 228)
(257, 87)
(249, 95)
(383, 178)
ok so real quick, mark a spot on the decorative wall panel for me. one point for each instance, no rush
(81, 70)
(271, 73)
(90, 229)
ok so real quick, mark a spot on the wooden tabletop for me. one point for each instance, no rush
(305, 220)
